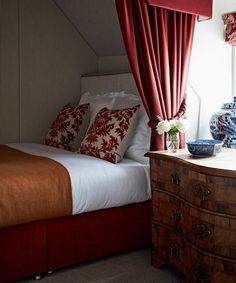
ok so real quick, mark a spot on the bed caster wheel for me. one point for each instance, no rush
(50, 271)
(38, 277)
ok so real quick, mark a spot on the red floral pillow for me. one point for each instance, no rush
(109, 135)
(66, 128)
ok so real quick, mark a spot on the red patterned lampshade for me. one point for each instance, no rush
(230, 28)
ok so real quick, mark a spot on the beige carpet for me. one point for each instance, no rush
(131, 267)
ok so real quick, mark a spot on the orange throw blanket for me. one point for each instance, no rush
(32, 188)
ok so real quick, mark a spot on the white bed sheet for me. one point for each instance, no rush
(97, 184)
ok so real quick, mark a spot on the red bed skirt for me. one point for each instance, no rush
(35, 248)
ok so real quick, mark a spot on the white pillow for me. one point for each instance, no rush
(99, 101)
(140, 142)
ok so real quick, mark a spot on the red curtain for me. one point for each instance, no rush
(201, 8)
(158, 44)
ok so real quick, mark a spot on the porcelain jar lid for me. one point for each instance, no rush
(230, 105)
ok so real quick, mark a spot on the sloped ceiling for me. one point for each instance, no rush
(97, 22)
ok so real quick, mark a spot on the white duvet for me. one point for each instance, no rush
(97, 184)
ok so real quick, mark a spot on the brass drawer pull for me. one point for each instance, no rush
(201, 272)
(174, 251)
(176, 215)
(175, 180)
(202, 192)
(202, 231)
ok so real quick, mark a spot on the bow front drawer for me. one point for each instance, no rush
(214, 193)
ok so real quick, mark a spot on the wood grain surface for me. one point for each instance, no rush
(194, 214)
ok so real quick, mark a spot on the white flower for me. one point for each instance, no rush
(173, 126)
(182, 125)
(163, 126)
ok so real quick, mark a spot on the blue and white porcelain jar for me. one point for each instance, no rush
(223, 124)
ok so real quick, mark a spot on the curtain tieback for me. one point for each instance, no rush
(182, 109)
(152, 124)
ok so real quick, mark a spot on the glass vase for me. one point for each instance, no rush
(172, 142)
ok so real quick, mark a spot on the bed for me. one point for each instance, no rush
(95, 228)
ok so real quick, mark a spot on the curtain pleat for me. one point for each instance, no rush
(158, 44)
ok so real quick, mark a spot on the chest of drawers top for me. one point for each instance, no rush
(223, 164)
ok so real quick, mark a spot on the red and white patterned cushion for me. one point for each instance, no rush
(66, 127)
(109, 135)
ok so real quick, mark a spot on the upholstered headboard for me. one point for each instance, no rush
(125, 82)
(108, 83)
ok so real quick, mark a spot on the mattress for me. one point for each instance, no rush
(96, 183)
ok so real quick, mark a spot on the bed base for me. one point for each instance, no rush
(38, 247)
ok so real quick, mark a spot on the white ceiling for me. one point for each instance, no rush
(97, 22)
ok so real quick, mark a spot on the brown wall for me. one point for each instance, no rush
(9, 67)
(42, 58)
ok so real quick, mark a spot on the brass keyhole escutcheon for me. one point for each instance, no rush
(201, 191)
(175, 180)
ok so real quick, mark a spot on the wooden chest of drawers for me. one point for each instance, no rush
(194, 214)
